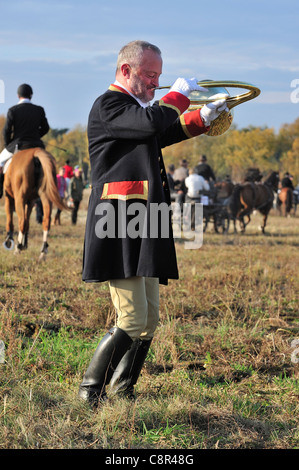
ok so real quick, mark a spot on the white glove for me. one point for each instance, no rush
(185, 86)
(211, 111)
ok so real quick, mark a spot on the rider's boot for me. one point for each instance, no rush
(128, 370)
(106, 358)
(56, 220)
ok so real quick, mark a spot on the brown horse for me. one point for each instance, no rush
(285, 201)
(224, 189)
(31, 174)
(251, 196)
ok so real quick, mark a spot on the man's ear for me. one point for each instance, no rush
(126, 70)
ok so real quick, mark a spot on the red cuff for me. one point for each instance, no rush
(192, 124)
(176, 101)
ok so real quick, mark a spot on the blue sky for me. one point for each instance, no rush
(67, 51)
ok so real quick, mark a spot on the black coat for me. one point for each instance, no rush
(204, 170)
(125, 142)
(25, 124)
(287, 183)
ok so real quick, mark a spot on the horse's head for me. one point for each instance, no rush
(273, 180)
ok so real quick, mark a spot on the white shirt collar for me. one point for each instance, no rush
(24, 100)
(144, 105)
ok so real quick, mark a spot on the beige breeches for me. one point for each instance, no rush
(136, 301)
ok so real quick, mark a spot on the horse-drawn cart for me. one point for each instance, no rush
(213, 211)
(217, 213)
(215, 208)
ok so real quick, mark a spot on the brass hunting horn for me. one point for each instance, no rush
(199, 98)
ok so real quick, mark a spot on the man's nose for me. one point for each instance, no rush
(155, 82)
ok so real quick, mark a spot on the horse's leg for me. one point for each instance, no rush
(264, 222)
(242, 224)
(241, 216)
(248, 218)
(290, 202)
(21, 213)
(245, 211)
(279, 208)
(9, 208)
(235, 225)
(47, 210)
(28, 210)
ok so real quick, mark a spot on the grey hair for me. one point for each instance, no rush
(132, 53)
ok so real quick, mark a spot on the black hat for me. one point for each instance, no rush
(25, 91)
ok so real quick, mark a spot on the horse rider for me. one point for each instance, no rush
(197, 191)
(195, 185)
(182, 172)
(25, 124)
(204, 169)
(287, 182)
(253, 175)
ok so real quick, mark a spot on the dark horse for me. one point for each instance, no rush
(251, 196)
(31, 174)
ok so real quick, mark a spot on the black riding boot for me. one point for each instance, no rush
(109, 352)
(1, 184)
(129, 368)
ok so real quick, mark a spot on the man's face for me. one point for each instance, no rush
(145, 78)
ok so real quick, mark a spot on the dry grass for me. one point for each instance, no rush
(219, 372)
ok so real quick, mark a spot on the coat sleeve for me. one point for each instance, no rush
(8, 128)
(186, 126)
(124, 118)
(44, 125)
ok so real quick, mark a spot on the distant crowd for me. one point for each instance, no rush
(198, 183)
(70, 187)
(191, 184)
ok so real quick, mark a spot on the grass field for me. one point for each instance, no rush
(222, 371)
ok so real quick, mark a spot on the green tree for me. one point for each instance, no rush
(251, 148)
(68, 145)
(290, 161)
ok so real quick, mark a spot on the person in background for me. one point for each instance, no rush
(68, 173)
(62, 189)
(39, 212)
(179, 176)
(287, 181)
(25, 125)
(181, 173)
(75, 192)
(204, 169)
(170, 181)
(195, 185)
